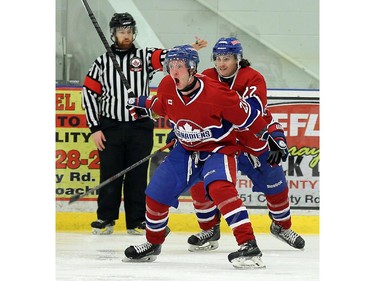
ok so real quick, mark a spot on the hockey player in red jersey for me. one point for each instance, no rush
(260, 159)
(204, 113)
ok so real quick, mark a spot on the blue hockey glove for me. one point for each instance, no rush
(141, 102)
(140, 107)
(278, 148)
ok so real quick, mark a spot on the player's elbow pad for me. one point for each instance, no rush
(255, 103)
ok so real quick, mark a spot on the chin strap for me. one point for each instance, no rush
(230, 76)
(191, 86)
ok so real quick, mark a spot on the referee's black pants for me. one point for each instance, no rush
(126, 143)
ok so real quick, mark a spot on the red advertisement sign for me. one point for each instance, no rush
(301, 124)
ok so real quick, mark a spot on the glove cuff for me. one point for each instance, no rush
(275, 126)
(146, 102)
(150, 101)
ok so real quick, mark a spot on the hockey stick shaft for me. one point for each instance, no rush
(108, 48)
(116, 176)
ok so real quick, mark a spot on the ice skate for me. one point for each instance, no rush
(206, 240)
(288, 236)
(139, 230)
(100, 227)
(145, 252)
(247, 257)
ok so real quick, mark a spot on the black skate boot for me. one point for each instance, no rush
(100, 227)
(145, 252)
(206, 240)
(288, 236)
(248, 256)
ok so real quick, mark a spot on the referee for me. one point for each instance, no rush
(120, 139)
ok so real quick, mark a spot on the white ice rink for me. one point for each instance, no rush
(85, 257)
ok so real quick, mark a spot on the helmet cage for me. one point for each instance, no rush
(227, 46)
(185, 53)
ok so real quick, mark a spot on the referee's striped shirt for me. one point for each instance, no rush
(103, 92)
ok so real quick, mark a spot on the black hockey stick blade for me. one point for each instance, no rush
(76, 197)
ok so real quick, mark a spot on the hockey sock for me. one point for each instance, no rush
(231, 207)
(157, 215)
(279, 207)
(205, 209)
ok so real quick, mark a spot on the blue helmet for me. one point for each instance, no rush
(184, 52)
(227, 46)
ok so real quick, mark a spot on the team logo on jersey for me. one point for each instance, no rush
(191, 134)
(135, 64)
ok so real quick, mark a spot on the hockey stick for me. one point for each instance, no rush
(116, 176)
(109, 50)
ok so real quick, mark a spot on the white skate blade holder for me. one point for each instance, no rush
(248, 263)
(209, 246)
(149, 258)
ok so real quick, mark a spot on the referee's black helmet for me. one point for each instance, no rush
(122, 20)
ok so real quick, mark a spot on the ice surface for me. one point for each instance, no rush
(83, 256)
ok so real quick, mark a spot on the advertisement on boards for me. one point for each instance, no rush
(300, 119)
(77, 160)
